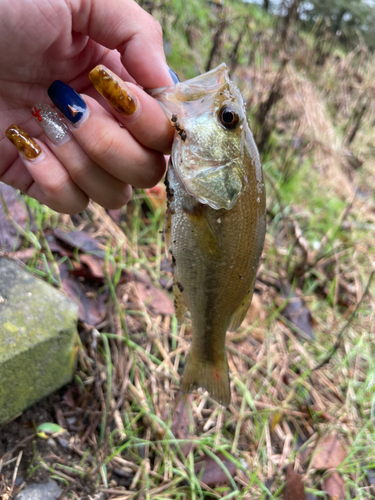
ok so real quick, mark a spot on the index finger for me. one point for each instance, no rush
(125, 26)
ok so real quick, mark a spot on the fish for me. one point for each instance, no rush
(215, 220)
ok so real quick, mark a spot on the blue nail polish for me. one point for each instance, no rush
(173, 75)
(67, 100)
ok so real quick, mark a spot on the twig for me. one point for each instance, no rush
(15, 472)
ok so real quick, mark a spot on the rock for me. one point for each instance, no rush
(38, 328)
(44, 491)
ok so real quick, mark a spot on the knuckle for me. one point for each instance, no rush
(104, 148)
(156, 27)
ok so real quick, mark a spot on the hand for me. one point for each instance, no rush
(43, 41)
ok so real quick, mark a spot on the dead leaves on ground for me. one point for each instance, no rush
(294, 488)
(329, 453)
(82, 267)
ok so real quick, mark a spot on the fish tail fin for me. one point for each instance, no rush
(214, 377)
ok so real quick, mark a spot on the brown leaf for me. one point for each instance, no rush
(90, 308)
(212, 472)
(294, 489)
(9, 236)
(81, 240)
(95, 265)
(181, 421)
(329, 453)
(334, 486)
(297, 313)
(154, 299)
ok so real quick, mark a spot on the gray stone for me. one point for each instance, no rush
(38, 332)
(44, 491)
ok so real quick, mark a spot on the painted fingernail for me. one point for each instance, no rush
(173, 75)
(23, 142)
(114, 90)
(67, 100)
(52, 125)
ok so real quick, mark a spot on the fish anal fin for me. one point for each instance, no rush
(180, 306)
(239, 314)
(203, 234)
(214, 377)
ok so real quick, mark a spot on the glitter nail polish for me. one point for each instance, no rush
(67, 100)
(114, 90)
(52, 125)
(25, 144)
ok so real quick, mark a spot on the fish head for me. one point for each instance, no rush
(213, 152)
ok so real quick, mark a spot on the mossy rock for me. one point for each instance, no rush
(38, 334)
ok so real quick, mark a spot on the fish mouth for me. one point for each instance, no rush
(170, 98)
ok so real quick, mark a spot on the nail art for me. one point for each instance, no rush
(52, 125)
(23, 142)
(114, 90)
(67, 100)
(173, 75)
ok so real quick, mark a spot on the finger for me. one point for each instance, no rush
(98, 184)
(128, 28)
(136, 110)
(105, 143)
(51, 184)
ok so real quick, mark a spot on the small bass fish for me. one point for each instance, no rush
(216, 221)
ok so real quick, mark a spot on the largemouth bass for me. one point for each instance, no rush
(215, 224)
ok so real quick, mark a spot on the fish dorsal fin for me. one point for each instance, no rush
(239, 314)
(180, 305)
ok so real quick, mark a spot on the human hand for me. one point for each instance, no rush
(96, 158)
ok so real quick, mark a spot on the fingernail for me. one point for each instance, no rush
(25, 144)
(67, 100)
(173, 75)
(114, 90)
(52, 125)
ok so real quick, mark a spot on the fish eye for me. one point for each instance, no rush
(229, 117)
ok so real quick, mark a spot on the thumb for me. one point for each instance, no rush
(125, 26)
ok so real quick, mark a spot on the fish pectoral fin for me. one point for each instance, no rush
(180, 305)
(167, 231)
(239, 314)
(214, 377)
(203, 234)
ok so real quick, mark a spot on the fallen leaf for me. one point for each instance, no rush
(153, 298)
(90, 309)
(329, 453)
(180, 420)
(23, 255)
(80, 240)
(297, 313)
(294, 488)
(212, 472)
(334, 486)
(48, 428)
(9, 236)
